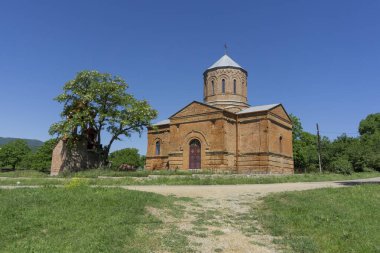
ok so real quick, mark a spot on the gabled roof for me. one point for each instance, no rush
(277, 109)
(258, 108)
(162, 122)
(225, 61)
(196, 102)
(167, 121)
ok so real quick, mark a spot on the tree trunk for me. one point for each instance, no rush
(105, 155)
(106, 150)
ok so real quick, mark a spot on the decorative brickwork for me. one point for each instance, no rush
(234, 97)
(256, 141)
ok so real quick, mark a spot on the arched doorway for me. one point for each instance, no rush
(195, 154)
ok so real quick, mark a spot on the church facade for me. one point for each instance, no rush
(223, 133)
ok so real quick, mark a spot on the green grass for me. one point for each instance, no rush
(190, 179)
(94, 173)
(176, 241)
(217, 232)
(81, 219)
(24, 173)
(325, 220)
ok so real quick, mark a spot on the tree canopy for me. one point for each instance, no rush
(370, 125)
(12, 153)
(344, 154)
(129, 156)
(40, 159)
(99, 101)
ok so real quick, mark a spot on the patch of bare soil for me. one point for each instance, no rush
(218, 225)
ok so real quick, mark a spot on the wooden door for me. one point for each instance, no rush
(195, 155)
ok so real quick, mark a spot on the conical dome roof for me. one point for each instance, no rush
(225, 61)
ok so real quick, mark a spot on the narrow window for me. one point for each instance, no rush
(223, 86)
(234, 86)
(158, 147)
(280, 144)
(212, 86)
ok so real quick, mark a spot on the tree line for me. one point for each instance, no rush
(342, 155)
(18, 155)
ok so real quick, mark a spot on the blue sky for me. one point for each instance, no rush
(321, 59)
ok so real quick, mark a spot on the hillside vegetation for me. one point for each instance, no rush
(30, 142)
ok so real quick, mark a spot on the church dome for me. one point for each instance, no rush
(225, 61)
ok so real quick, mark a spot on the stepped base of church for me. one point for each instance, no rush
(247, 164)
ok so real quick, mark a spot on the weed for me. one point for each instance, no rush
(217, 232)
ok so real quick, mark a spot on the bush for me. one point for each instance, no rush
(341, 165)
(129, 156)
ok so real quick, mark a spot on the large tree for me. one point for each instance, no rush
(369, 130)
(99, 101)
(12, 153)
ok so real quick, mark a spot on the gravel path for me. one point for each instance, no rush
(226, 191)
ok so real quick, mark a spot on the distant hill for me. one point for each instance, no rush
(31, 143)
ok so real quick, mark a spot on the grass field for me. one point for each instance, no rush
(82, 219)
(79, 218)
(16, 178)
(325, 220)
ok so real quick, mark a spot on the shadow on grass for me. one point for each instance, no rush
(358, 182)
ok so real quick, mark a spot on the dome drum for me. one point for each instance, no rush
(225, 85)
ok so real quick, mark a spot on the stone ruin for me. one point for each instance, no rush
(85, 154)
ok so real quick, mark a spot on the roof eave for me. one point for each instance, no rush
(225, 67)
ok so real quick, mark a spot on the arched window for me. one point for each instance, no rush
(213, 88)
(234, 86)
(223, 86)
(158, 148)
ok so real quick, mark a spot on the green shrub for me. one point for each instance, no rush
(341, 165)
(76, 182)
(129, 156)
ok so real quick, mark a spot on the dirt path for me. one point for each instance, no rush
(221, 218)
(226, 191)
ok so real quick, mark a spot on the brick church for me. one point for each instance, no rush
(223, 133)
